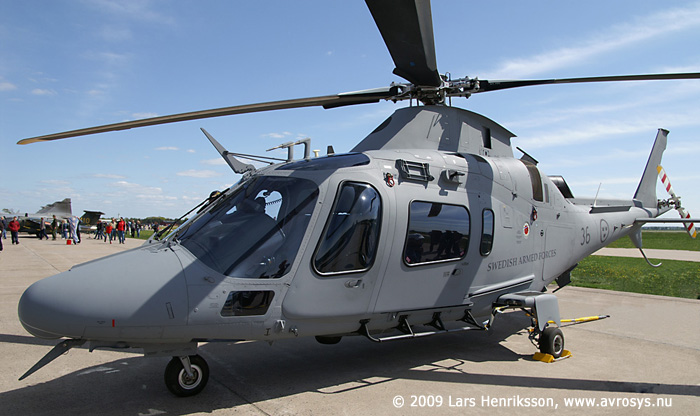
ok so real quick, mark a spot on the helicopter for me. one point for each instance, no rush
(428, 225)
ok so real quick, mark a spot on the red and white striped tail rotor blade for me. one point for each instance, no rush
(667, 182)
(689, 226)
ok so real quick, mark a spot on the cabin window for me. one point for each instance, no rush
(436, 232)
(536, 181)
(487, 227)
(351, 236)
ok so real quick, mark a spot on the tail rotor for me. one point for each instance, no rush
(676, 201)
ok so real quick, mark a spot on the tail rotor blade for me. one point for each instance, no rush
(667, 183)
(689, 226)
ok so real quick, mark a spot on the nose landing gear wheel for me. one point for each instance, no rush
(180, 383)
(552, 342)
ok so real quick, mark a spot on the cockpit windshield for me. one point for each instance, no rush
(256, 231)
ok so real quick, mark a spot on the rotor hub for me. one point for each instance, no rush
(429, 95)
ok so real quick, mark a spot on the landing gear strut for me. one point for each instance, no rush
(186, 376)
(543, 310)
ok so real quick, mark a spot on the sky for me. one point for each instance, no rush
(72, 64)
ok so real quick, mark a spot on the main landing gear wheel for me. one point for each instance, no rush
(180, 383)
(552, 342)
(328, 340)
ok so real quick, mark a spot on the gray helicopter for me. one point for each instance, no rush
(429, 225)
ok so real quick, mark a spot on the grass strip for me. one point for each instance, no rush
(674, 278)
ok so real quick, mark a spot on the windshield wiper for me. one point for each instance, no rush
(212, 197)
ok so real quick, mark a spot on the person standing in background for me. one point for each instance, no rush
(14, 230)
(121, 227)
(73, 225)
(108, 232)
(42, 230)
(54, 226)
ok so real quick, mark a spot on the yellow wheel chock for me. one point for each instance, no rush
(548, 358)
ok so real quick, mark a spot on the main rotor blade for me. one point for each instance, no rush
(485, 86)
(407, 29)
(328, 101)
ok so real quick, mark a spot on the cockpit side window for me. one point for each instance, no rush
(256, 231)
(351, 236)
(436, 232)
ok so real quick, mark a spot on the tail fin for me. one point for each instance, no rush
(59, 208)
(91, 217)
(646, 191)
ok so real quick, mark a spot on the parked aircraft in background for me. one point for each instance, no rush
(31, 223)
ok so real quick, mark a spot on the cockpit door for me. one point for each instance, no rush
(428, 265)
(353, 239)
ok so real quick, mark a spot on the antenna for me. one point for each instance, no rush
(290, 148)
(596, 194)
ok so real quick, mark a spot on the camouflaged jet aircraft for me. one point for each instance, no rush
(31, 223)
(429, 225)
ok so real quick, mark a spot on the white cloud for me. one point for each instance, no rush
(56, 182)
(191, 199)
(108, 176)
(642, 29)
(683, 149)
(277, 135)
(133, 9)
(643, 123)
(199, 173)
(607, 181)
(167, 148)
(156, 198)
(215, 162)
(109, 58)
(7, 86)
(40, 91)
(137, 188)
(144, 115)
(113, 33)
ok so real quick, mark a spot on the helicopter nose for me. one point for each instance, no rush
(103, 298)
(41, 310)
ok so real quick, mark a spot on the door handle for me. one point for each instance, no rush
(353, 284)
